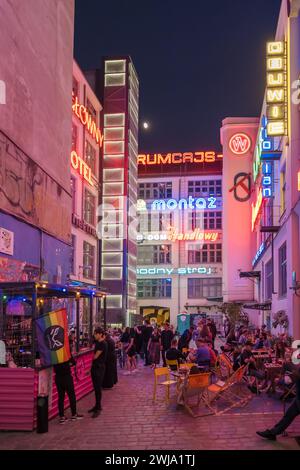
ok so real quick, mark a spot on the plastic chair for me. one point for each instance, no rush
(197, 385)
(160, 372)
(172, 362)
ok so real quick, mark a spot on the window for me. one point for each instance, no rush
(91, 110)
(205, 188)
(89, 207)
(282, 270)
(209, 220)
(154, 254)
(154, 222)
(73, 192)
(207, 253)
(88, 260)
(268, 280)
(154, 288)
(75, 87)
(73, 254)
(199, 288)
(155, 190)
(90, 156)
(74, 137)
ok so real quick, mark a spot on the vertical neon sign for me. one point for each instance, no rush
(267, 179)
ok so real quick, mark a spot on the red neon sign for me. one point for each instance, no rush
(240, 144)
(197, 235)
(256, 208)
(178, 158)
(87, 120)
(81, 167)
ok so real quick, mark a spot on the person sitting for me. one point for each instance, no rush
(173, 354)
(248, 359)
(202, 354)
(243, 338)
(213, 356)
(259, 343)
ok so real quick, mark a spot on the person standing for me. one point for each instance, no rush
(154, 348)
(213, 330)
(147, 331)
(166, 339)
(111, 373)
(64, 384)
(98, 369)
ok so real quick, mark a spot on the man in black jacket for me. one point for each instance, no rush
(147, 331)
(166, 340)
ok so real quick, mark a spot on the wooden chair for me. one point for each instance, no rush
(172, 363)
(224, 366)
(223, 391)
(196, 386)
(163, 372)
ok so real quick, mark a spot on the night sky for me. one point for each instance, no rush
(198, 61)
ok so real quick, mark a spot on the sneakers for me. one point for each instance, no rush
(96, 414)
(267, 434)
(77, 416)
(63, 420)
(92, 410)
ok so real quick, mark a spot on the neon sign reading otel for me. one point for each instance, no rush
(81, 167)
(190, 203)
(178, 158)
(168, 271)
(87, 120)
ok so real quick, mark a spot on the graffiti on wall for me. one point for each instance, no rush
(12, 270)
(27, 192)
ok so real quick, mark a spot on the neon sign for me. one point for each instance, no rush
(276, 93)
(81, 167)
(267, 179)
(173, 235)
(178, 158)
(87, 120)
(241, 181)
(207, 270)
(240, 144)
(190, 203)
(298, 180)
(258, 254)
(256, 208)
(264, 144)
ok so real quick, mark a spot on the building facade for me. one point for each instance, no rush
(35, 122)
(269, 265)
(119, 190)
(179, 263)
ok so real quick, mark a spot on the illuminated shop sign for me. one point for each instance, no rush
(298, 179)
(258, 254)
(87, 120)
(264, 145)
(267, 179)
(207, 270)
(240, 144)
(256, 208)
(276, 93)
(190, 203)
(173, 235)
(178, 158)
(81, 167)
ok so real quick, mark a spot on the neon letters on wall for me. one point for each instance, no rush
(264, 144)
(173, 235)
(267, 179)
(240, 143)
(190, 203)
(87, 120)
(81, 167)
(207, 270)
(258, 254)
(276, 93)
(178, 158)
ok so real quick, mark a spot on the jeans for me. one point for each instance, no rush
(146, 353)
(65, 384)
(163, 353)
(288, 418)
(97, 373)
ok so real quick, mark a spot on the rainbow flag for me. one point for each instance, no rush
(52, 337)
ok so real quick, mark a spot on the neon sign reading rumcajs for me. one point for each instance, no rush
(190, 203)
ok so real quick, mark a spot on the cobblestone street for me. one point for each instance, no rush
(130, 420)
